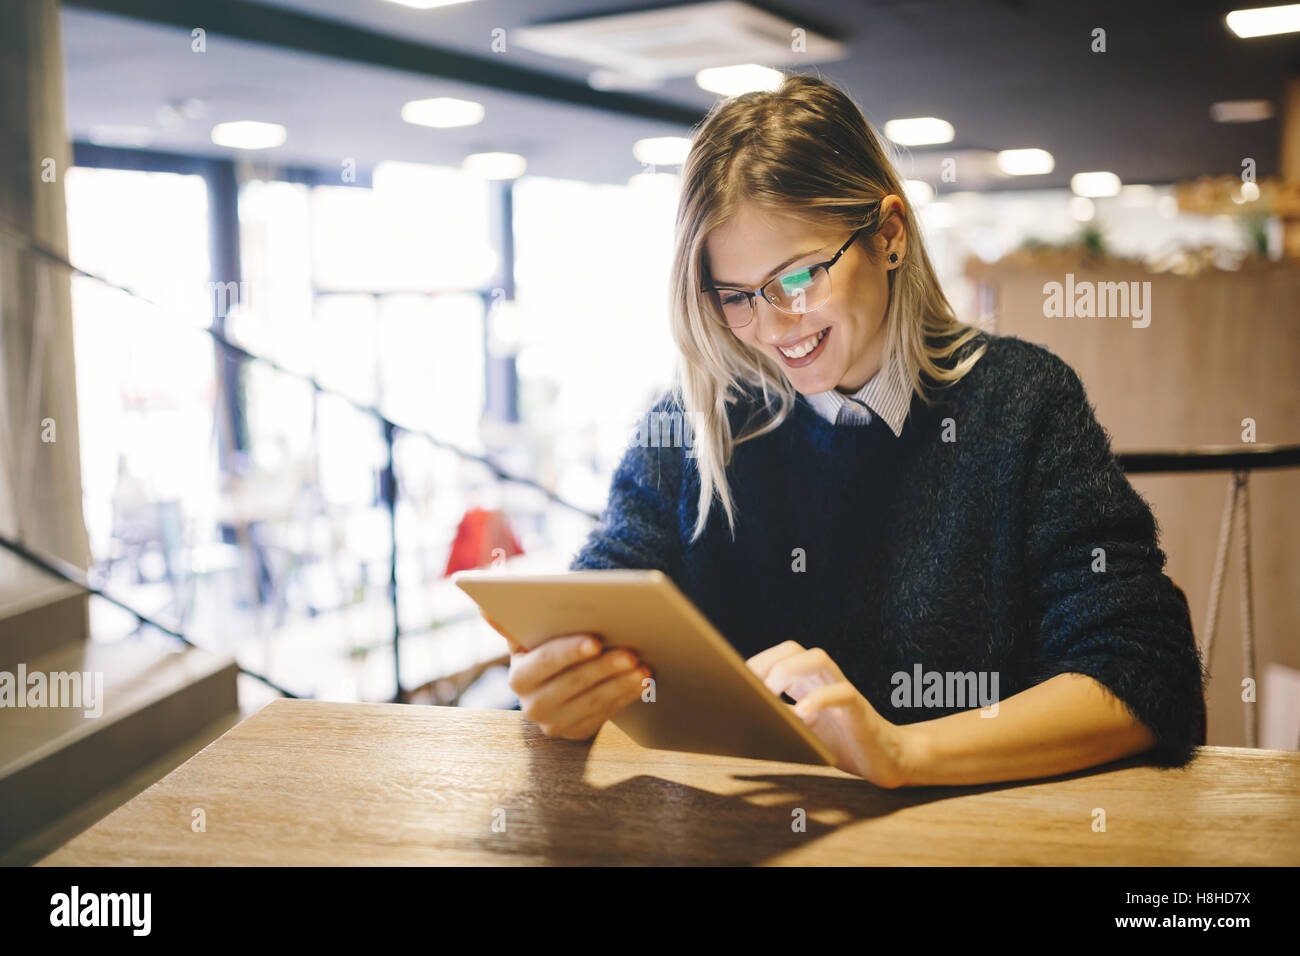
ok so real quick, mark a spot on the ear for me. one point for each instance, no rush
(893, 229)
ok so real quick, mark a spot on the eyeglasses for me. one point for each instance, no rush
(805, 289)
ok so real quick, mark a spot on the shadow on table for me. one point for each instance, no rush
(647, 820)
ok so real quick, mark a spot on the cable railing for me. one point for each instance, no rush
(51, 564)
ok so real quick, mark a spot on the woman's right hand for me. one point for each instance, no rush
(570, 684)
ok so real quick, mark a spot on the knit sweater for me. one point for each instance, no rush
(995, 538)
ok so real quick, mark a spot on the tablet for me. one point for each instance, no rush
(705, 698)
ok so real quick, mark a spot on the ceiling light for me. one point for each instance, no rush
(494, 165)
(919, 131)
(734, 80)
(425, 4)
(918, 191)
(443, 112)
(662, 150)
(1095, 184)
(1241, 111)
(1265, 21)
(1026, 162)
(248, 134)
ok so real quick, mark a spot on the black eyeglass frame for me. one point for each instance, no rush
(753, 310)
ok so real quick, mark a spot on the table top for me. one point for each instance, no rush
(316, 783)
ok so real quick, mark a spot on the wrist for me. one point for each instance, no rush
(911, 748)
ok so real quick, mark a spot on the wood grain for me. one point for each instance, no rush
(316, 783)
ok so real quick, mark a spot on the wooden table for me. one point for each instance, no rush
(315, 783)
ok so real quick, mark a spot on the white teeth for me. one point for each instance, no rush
(802, 349)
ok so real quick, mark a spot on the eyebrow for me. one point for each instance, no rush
(795, 258)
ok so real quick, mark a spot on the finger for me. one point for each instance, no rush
(832, 695)
(591, 727)
(587, 712)
(796, 674)
(531, 670)
(763, 661)
(551, 697)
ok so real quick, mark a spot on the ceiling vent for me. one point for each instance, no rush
(679, 41)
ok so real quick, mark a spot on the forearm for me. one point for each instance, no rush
(1064, 724)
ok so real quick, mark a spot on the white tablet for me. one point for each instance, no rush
(705, 698)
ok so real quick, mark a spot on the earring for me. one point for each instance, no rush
(893, 257)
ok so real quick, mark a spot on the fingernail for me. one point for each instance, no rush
(588, 646)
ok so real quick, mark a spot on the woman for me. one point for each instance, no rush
(914, 530)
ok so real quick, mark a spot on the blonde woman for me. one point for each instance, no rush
(914, 531)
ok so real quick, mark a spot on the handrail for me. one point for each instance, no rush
(1210, 458)
(72, 574)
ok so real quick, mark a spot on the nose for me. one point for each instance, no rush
(772, 326)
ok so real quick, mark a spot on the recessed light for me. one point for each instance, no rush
(1241, 111)
(1095, 184)
(443, 112)
(495, 165)
(1264, 21)
(1026, 162)
(248, 134)
(425, 4)
(919, 131)
(734, 80)
(662, 150)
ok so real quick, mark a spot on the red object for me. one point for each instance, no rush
(480, 534)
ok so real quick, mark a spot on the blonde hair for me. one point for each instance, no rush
(804, 149)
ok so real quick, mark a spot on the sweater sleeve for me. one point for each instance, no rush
(639, 526)
(1126, 626)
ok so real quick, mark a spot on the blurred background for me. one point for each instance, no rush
(309, 303)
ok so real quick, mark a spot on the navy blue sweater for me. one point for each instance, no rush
(996, 536)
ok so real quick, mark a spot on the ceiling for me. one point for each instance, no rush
(1005, 73)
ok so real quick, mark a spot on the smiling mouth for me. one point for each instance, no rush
(807, 347)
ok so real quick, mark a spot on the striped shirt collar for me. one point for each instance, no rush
(887, 395)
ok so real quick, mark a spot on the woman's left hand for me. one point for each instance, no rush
(863, 742)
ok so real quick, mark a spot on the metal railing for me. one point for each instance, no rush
(387, 478)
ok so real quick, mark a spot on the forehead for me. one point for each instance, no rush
(746, 247)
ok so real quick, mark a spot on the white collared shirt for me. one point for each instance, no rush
(887, 395)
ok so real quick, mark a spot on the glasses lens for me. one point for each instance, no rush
(734, 306)
(800, 291)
